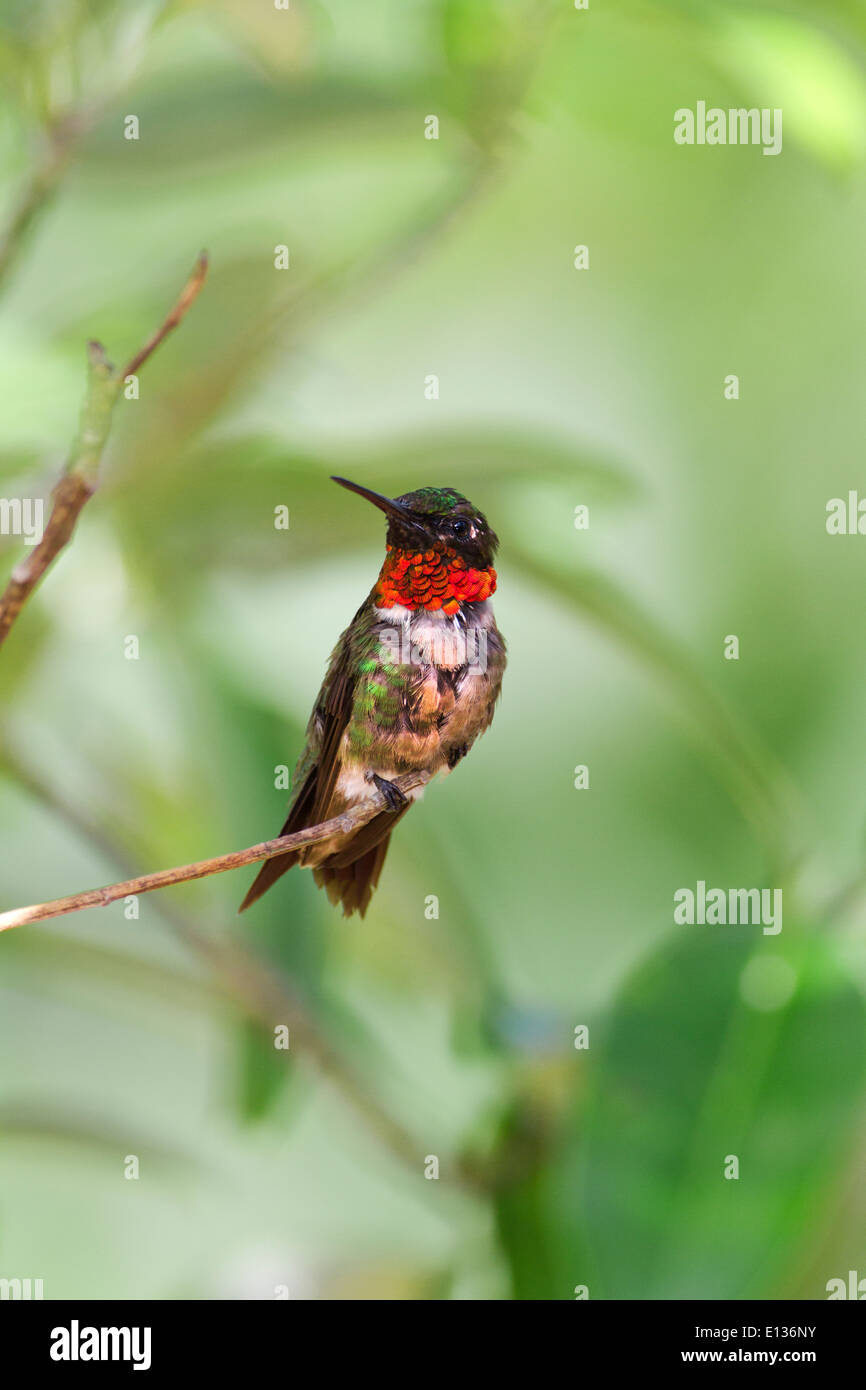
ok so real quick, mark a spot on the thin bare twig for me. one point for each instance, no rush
(351, 819)
(79, 480)
(185, 299)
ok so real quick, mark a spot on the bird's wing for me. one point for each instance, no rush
(330, 717)
(317, 772)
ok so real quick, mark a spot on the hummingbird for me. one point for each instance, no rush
(411, 684)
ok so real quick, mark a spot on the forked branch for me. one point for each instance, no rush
(79, 481)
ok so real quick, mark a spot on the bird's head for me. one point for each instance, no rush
(434, 518)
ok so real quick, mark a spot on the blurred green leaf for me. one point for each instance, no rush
(786, 64)
(264, 1071)
(689, 1072)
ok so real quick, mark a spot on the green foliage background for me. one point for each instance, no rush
(408, 257)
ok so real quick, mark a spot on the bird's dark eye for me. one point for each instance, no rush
(459, 527)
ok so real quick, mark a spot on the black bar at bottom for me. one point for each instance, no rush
(149, 1339)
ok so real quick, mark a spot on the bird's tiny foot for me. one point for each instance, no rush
(395, 798)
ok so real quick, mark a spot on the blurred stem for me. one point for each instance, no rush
(79, 481)
(62, 133)
(39, 189)
(356, 279)
(760, 786)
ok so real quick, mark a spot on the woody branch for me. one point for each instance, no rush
(352, 819)
(79, 481)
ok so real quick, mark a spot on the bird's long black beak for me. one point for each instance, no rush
(388, 505)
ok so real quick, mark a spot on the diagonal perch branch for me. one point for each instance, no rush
(79, 480)
(352, 819)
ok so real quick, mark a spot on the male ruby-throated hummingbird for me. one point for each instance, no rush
(411, 684)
